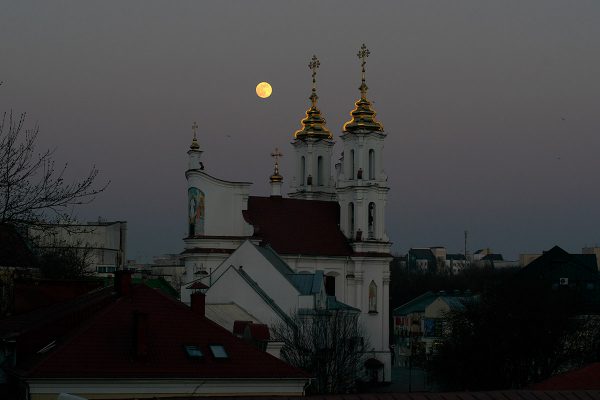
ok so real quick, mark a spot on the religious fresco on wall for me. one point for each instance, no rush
(372, 297)
(196, 211)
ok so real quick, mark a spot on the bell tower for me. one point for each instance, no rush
(313, 146)
(362, 183)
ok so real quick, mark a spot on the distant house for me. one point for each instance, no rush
(556, 269)
(418, 323)
(132, 341)
(103, 243)
(456, 263)
(421, 259)
(436, 313)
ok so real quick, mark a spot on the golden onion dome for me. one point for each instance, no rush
(363, 116)
(313, 126)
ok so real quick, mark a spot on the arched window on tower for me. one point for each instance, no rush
(302, 171)
(371, 221)
(351, 164)
(351, 219)
(330, 285)
(372, 298)
(371, 164)
(320, 171)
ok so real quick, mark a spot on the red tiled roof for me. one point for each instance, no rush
(30, 295)
(586, 378)
(102, 348)
(293, 226)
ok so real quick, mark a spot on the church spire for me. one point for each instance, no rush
(363, 116)
(313, 126)
(194, 145)
(276, 179)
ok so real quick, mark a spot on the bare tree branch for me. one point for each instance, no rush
(32, 189)
(331, 344)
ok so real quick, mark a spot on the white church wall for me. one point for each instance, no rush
(223, 205)
(231, 287)
(263, 273)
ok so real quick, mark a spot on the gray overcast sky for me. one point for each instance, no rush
(491, 107)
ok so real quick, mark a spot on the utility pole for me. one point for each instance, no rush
(466, 234)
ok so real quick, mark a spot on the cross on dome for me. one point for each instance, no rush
(363, 116)
(194, 145)
(313, 126)
(276, 177)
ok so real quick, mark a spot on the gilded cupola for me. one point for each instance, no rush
(363, 116)
(313, 126)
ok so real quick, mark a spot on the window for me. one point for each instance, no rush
(371, 220)
(193, 351)
(302, 170)
(372, 298)
(330, 285)
(218, 351)
(351, 219)
(351, 164)
(320, 171)
(371, 164)
(106, 270)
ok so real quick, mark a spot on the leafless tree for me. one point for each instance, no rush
(32, 188)
(330, 344)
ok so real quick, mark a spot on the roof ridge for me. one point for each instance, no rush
(263, 294)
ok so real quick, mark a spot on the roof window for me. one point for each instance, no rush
(193, 351)
(218, 351)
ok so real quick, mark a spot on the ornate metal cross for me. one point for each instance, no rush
(363, 53)
(313, 65)
(276, 154)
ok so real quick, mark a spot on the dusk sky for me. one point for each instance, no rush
(492, 108)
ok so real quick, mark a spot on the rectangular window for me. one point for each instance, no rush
(218, 351)
(193, 351)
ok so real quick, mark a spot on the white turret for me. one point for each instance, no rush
(362, 183)
(313, 146)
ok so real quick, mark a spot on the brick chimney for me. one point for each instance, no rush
(140, 335)
(123, 282)
(198, 302)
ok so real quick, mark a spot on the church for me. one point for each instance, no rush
(330, 228)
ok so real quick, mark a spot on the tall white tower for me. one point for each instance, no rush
(313, 147)
(362, 183)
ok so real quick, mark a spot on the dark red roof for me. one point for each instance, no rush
(497, 395)
(293, 226)
(586, 378)
(103, 347)
(30, 294)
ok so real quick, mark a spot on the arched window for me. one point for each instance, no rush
(330, 285)
(320, 171)
(302, 171)
(372, 297)
(371, 220)
(351, 164)
(351, 219)
(371, 164)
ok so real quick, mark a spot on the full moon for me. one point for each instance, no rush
(264, 90)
